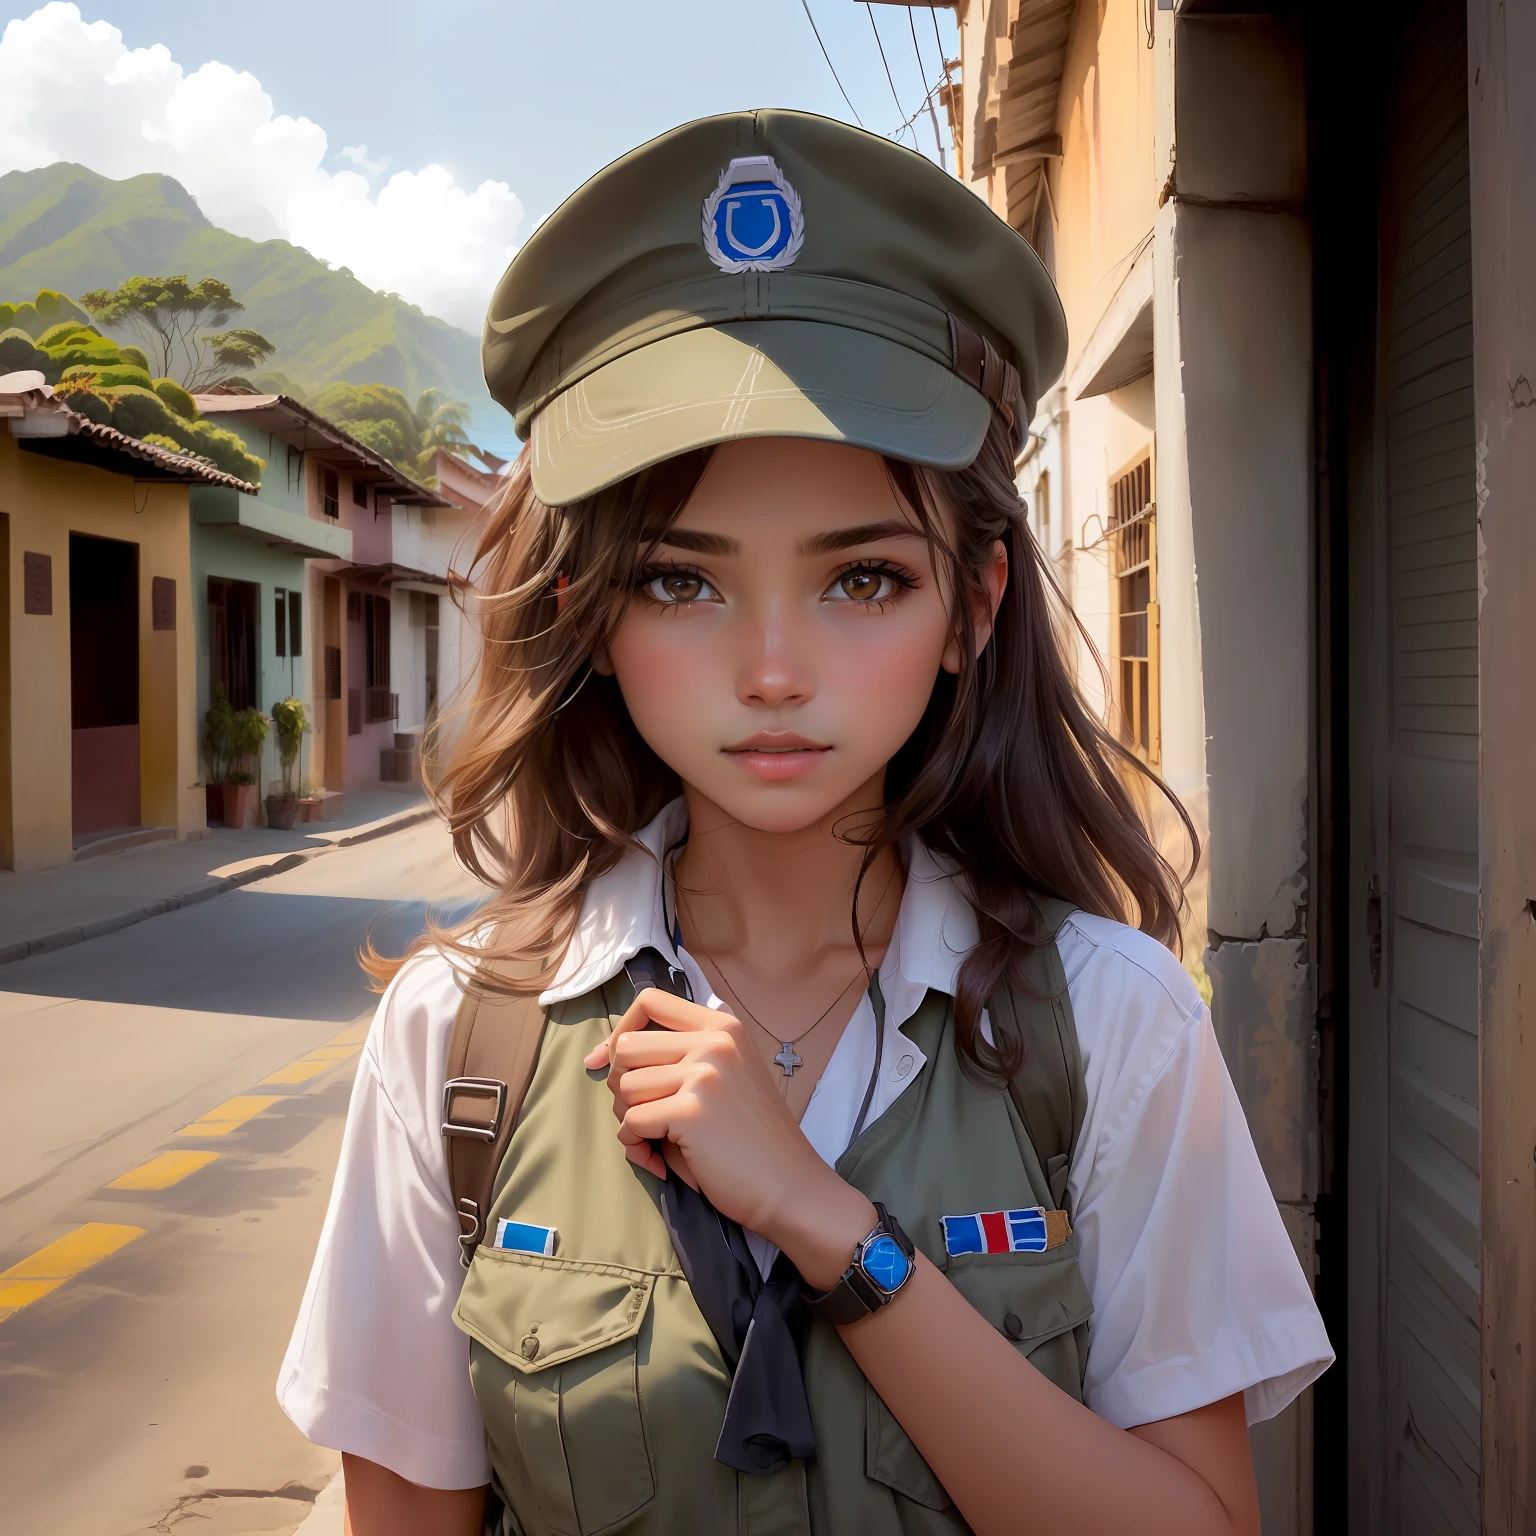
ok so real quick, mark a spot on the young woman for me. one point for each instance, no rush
(917, 1198)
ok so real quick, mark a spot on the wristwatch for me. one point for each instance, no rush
(882, 1264)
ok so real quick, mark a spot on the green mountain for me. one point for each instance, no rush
(67, 228)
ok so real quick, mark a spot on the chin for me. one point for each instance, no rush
(782, 808)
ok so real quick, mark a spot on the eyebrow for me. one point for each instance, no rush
(719, 544)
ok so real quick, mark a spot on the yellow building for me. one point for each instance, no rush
(99, 729)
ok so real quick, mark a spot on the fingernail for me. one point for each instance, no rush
(596, 1057)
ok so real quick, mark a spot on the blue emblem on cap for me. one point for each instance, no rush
(753, 221)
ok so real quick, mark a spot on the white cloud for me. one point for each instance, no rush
(358, 155)
(71, 90)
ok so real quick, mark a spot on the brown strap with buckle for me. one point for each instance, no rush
(491, 1057)
(984, 368)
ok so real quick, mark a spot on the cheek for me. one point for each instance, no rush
(666, 676)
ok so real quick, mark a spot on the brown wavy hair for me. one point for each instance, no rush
(1009, 773)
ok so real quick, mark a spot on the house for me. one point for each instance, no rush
(98, 668)
(314, 550)
(1285, 480)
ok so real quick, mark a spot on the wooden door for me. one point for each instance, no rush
(104, 684)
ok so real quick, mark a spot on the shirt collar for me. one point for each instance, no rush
(624, 911)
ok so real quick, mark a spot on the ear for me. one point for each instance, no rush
(994, 580)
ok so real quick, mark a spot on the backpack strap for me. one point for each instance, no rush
(1050, 1092)
(491, 1057)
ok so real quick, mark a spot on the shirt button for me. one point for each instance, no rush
(529, 1348)
(905, 1065)
(1013, 1326)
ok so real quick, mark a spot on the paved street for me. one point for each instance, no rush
(137, 1395)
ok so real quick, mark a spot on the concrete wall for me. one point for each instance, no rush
(1234, 321)
(44, 500)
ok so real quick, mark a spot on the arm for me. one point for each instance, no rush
(382, 1503)
(989, 1425)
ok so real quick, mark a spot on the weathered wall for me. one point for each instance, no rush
(1501, 65)
(46, 500)
(1233, 290)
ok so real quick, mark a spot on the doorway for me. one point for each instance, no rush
(232, 641)
(103, 685)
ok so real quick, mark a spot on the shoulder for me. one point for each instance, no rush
(407, 1046)
(1134, 1007)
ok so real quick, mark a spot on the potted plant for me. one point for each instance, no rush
(248, 731)
(290, 721)
(218, 730)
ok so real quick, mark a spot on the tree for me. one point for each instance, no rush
(383, 419)
(180, 325)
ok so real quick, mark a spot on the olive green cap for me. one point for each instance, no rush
(767, 274)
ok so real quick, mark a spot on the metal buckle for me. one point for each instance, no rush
(487, 1087)
(474, 1230)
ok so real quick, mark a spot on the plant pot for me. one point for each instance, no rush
(213, 795)
(282, 811)
(309, 808)
(239, 805)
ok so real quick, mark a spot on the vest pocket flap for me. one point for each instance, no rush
(1029, 1297)
(535, 1311)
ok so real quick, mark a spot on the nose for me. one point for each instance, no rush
(777, 671)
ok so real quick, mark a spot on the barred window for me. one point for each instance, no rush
(1134, 633)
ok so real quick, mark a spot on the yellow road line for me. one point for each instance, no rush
(163, 1171)
(63, 1259)
(230, 1115)
(300, 1071)
(355, 1034)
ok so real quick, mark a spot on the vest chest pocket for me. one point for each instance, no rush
(563, 1386)
(1036, 1301)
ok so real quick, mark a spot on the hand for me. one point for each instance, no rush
(697, 1085)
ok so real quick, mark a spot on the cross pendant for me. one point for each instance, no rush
(787, 1058)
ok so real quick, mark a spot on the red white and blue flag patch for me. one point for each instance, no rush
(997, 1232)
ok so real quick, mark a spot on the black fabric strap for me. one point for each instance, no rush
(760, 1325)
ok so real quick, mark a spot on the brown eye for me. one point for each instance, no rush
(863, 584)
(677, 587)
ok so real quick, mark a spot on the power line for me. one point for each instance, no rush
(806, 6)
(922, 74)
(888, 76)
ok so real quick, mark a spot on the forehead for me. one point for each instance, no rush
(782, 489)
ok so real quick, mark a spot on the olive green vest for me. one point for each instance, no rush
(601, 1386)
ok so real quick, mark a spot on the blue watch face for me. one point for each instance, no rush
(885, 1263)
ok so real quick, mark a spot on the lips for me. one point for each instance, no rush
(773, 756)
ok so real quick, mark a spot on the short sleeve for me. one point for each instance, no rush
(376, 1366)
(1198, 1293)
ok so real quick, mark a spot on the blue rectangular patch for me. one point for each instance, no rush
(963, 1234)
(1027, 1231)
(525, 1237)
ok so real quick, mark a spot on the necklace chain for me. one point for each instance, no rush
(787, 1060)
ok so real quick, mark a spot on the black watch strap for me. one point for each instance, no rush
(856, 1295)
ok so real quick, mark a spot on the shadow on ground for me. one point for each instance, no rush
(281, 954)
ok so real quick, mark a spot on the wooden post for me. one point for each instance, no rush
(1501, 64)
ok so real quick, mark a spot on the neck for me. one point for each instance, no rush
(779, 901)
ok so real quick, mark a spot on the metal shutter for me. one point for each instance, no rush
(1431, 900)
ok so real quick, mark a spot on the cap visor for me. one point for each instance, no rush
(758, 378)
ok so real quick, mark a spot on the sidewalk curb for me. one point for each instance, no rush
(62, 938)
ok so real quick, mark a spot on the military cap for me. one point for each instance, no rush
(760, 274)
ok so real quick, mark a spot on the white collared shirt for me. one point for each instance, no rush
(1197, 1291)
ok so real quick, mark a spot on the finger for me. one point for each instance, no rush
(647, 1157)
(653, 1006)
(644, 1085)
(651, 1048)
(652, 1121)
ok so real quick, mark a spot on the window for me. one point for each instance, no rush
(379, 703)
(1134, 636)
(330, 497)
(359, 493)
(288, 622)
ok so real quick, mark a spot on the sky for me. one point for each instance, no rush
(418, 144)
